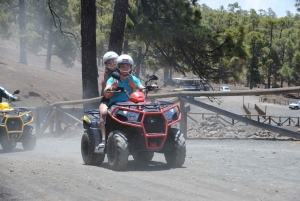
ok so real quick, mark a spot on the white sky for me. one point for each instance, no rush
(278, 6)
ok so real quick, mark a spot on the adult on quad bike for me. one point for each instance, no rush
(133, 126)
(14, 124)
(8, 96)
(110, 62)
(129, 82)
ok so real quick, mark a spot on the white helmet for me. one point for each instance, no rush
(125, 59)
(110, 56)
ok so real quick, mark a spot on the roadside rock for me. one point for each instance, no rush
(212, 127)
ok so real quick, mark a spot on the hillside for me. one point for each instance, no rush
(38, 86)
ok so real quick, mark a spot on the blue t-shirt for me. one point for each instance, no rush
(122, 97)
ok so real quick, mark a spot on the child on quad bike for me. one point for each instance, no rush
(130, 83)
(8, 96)
(110, 62)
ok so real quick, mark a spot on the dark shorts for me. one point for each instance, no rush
(104, 100)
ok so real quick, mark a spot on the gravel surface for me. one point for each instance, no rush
(214, 170)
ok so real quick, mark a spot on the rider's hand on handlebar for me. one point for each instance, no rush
(152, 87)
(115, 84)
(17, 98)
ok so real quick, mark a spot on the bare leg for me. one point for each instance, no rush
(103, 112)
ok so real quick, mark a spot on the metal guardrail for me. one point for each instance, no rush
(56, 114)
(243, 119)
(272, 120)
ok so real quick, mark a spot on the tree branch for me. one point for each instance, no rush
(54, 15)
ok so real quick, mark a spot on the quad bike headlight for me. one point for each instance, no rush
(129, 116)
(26, 118)
(172, 114)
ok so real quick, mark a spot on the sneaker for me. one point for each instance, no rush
(102, 144)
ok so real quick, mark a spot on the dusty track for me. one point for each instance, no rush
(214, 170)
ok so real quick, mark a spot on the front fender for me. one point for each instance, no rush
(86, 122)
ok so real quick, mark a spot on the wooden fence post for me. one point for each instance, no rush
(51, 125)
(37, 121)
(279, 119)
(183, 121)
(57, 123)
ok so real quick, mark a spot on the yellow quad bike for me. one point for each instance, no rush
(14, 127)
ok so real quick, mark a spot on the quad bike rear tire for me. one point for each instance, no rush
(175, 157)
(143, 156)
(28, 138)
(7, 145)
(87, 150)
(117, 150)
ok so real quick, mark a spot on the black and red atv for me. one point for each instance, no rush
(138, 128)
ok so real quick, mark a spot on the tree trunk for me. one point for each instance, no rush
(139, 61)
(49, 48)
(166, 74)
(118, 26)
(143, 71)
(99, 60)
(269, 77)
(126, 47)
(22, 25)
(89, 54)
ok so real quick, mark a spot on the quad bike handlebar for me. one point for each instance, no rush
(9, 100)
(148, 88)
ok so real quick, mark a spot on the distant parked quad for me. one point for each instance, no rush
(190, 84)
(15, 127)
(224, 88)
(295, 105)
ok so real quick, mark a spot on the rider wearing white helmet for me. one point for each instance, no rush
(130, 82)
(125, 63)
(110, 62)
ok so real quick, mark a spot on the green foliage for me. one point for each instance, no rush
(4, 25)
(33, 39)
(175, 30)
(228, 44)
(66, 49)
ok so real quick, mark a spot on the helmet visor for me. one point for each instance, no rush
(111, 64)
(124, 68)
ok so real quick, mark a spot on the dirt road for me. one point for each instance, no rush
(214, 170)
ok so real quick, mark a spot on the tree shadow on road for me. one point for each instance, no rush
(139, 166)
(13, 151)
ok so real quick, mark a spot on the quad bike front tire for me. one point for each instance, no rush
(29, 138)
(7, 145)
(143, 156)
(87, 150)
(175, 157)
(117, 150)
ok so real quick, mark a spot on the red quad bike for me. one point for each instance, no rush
(138, 128)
